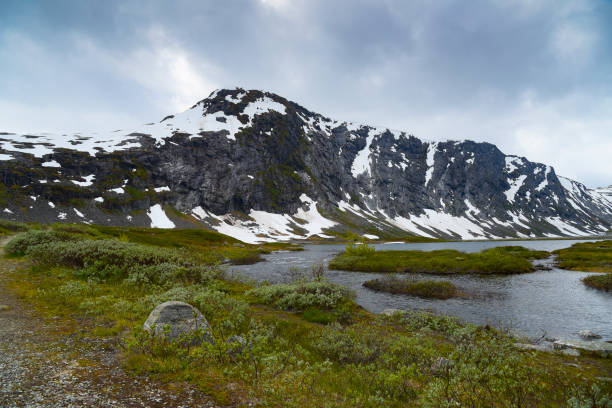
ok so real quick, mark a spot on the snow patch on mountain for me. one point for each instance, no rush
(361, 164)
(263, 105)
(158, 217)
(515, 185)
(263, 226)
(431, 152)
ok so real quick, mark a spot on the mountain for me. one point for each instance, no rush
(605, 191)
(258, 167)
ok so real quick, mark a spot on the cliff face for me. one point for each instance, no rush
(257, 166)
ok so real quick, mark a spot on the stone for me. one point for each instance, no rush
(179, 318)
(391, 312)
(535, 347)
(588, 335)
(3, 308)
(570, 352)
(600, 348)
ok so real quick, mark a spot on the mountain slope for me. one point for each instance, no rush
(256, 166)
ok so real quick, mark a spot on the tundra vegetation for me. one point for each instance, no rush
(589, 257)
(586, 256)
(306, 342)
(437, 289)
(501, 260)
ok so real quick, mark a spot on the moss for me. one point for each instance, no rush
(501, 260)
(586, 256)
(408, 286)
(314, 315)
(601, 282)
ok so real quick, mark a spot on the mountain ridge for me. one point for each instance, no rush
(257, 166)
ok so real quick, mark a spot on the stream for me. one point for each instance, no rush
(555, 303)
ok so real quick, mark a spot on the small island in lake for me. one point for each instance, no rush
(501, 260)
(433, 289)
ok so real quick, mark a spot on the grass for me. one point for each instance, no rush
(408, 286)
(309, 344)
(586, 256)
(601, 282)
(500, 260)
(210, 246)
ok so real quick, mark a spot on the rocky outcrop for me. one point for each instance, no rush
(600, 348)
(176, 320)
(256, 166)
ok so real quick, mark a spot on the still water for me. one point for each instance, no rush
(553, 302)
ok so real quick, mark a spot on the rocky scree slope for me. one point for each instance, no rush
(258, 167)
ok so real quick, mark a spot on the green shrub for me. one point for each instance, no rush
(418, 321)
(21, 243)
(226, 314)
(488, 373)
(302, 295)
(104, 257)
(347, 345)
(357, 246)
(12, 226)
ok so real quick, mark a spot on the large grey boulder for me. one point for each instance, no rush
(177, 319)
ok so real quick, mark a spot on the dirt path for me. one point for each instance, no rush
(44, 365)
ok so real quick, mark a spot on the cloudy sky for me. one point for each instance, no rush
(532, 76)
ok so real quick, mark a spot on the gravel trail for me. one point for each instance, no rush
(44, 365)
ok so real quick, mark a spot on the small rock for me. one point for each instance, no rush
(391, 312)
(588, 335)
(180, 318)
(600, 348)
(570, 352)
(536, 347)
(3, 308)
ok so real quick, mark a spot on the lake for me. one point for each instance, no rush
(554, 302)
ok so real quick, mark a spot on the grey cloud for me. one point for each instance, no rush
(436, 69)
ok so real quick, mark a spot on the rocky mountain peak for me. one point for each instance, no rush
(257, 166)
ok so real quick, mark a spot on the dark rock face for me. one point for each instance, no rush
(239, 153)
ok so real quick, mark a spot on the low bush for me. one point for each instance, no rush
(357, 246)
(411, 286)
(7, 226)
(20, 244)
(348, 345)
(302, 295)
